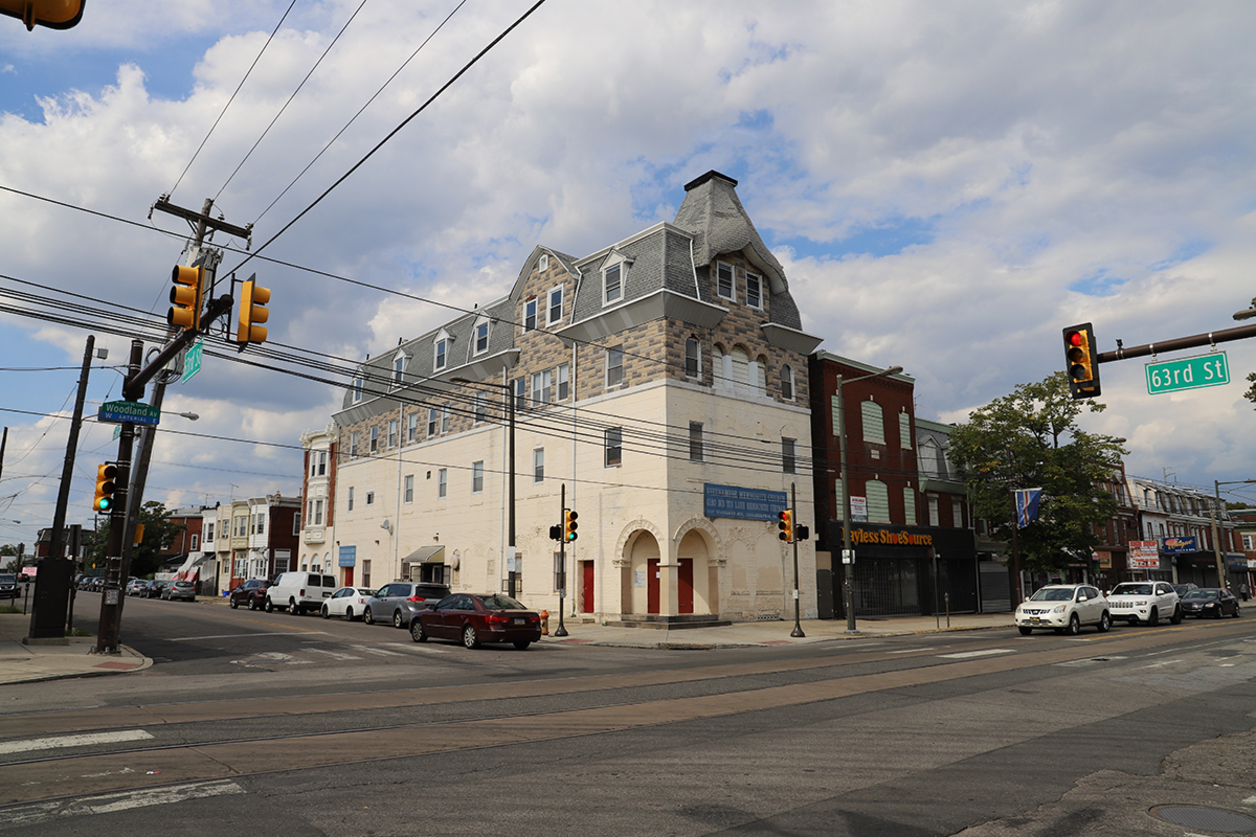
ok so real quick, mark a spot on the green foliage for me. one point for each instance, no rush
(159, 534)
(1030, 439)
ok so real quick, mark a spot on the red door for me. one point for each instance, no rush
(684, 589)
(652, 585)
(348, 576)
(586, 590)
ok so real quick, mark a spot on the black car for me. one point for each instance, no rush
(250, 594)
(155, 589)
(1210, 601)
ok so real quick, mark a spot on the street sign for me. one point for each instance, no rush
(116, 412)
(1208, 370)
(192, 361)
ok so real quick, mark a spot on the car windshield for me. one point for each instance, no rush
(1132, 590)
(8, 578)
(1053, 594)
(1201, 594)
(500, 601)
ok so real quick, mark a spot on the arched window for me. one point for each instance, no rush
(878, 501)
(741, 370)
(787, 382)
(873, 422)
(909, 505)
(759, 375)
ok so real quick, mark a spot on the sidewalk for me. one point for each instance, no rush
(21, 662)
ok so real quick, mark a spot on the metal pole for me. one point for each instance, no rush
(793, 505)
(1216, 539)
(562, 560)
(848, 567)
(510, 535)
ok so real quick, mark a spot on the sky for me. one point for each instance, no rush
(947, 185)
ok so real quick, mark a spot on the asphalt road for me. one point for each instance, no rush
(273, 724)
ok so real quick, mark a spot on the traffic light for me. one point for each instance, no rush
(801, 533)
(104, 487)
(556, 533)
(569, 525)
(1081, 360)
(185, 297)
(55, 14)
(786, 525)
(253, 300)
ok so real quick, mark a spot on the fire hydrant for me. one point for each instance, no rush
(544, 623)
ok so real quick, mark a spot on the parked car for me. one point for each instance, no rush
(298, 591)
(1210, 601)
(1064, 608)
(251, 594)
(472, 620)
(399, 601)
(185, 590)
(98, 584)
(8, 586)
(154, 589)
(349, 602)
(136, 587)
(1145, 601)
(1183, 589)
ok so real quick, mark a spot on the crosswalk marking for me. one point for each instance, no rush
(963, 655)
(112, 802)
(335, 654)
(369, 650)
(413, 646)
(73, 741)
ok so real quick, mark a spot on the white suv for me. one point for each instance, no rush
(1145, 601)
(300, 591)
(1064, 608)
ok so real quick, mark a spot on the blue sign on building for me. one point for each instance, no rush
(1179, 545)
(348, 556)
(743, 503)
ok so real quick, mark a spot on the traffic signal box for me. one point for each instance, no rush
(556, 532)
(569, 525)
(185, 297)
(786, 525)
(105, 487)
(253, 301)
(1081, 361)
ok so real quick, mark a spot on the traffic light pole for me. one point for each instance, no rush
(562, 562)
(1209, 339)
(793, 504)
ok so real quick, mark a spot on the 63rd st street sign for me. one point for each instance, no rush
(1209, 370)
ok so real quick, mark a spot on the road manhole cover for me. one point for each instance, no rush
(1207, 819)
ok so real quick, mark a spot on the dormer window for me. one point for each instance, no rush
(555, 307)
(754, 291)
(481, 337)
(612, 284)
(440, 351)
(357, 389)
(724, 281)
(542, 264)
(399, 368)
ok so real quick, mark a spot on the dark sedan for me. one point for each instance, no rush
(251, 594)
(155, 589)
(475, 619)
(1210, 601)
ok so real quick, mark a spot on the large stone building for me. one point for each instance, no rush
(659, 385)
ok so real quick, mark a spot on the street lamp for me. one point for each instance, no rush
(510, 525)
(848, 558)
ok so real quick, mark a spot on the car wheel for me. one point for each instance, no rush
(1025, 631)
(234, 604)
(416, 631)
(1105, 623)
(469, 637)
(1074, 625)
(1153, 618)
(1236, 610)
(1176, 618)
(1216, 614)
(294, 608)
(522, 644)
(349, 614)
(252, 603)
(270, 606)
(397, 623)
(367, 618)
(325, 612)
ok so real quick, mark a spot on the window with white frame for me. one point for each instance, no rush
(431, 422)
(195, 542)
(614, 446)
(481, 337)
(399, 368)
(318, 513)
(353, 445)
(957, 513)
(374, 440)
(542, 387)
(477, 476)
(442, 482)
(789, 455)
(357, 389)
(407, 491)
(296, 522)
(787, 382)
(873, 422)
(441, 355)
(555, 307)
(563, 375)
(614, 366)
(695, 441)
(754, 290)
(612, 284)
(412, 427)
(538, 466)
(392, 433)
(542, 264)
(209, 533)
(693, 358)
(444, 418)
(481, 407)
(934, 518)
(521, 394)
(322, 463)
(724, 285)
(529, 315)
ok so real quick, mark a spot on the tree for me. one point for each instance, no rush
(1030, 439)
(159, 534)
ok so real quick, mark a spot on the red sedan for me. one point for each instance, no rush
(472, 620)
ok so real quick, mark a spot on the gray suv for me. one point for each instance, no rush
(8, 586)
(398, 601)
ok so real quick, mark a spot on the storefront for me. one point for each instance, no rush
(903, 570)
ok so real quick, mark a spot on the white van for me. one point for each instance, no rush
(298, 592)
